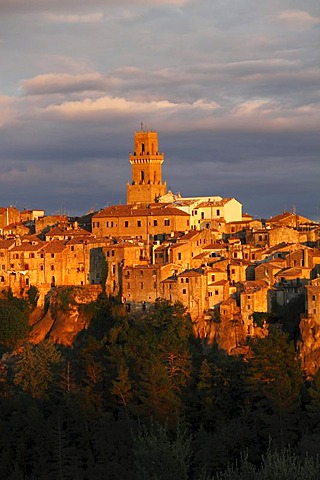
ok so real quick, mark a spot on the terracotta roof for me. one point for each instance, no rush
(55, 246)
(191, 234)
(15, 225)
(58, 230)
(289, 272)
(229, 301)
(214, 203)
(27, 247)
(219, 283)
(201, 255)
(130, 211)
(190, 273)
(6, 244)
(252, 286)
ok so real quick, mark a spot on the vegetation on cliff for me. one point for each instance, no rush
(139, 397)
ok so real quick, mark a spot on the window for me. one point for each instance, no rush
(202, 215)
(126, 224)
(139, 223)
(182, 280)
(313, 298)
(141, 273)
(141, 285)
(248, 307)
(72, 248)
(166, 222)
(31, 255)
(111, 224)
(26, 266)
(52, 255)
(218, 213)
(216, 292)
(213, 278)
(184, 291)
(41, 267)
(155, 223)
(112, 253)
(233, 271)
(179, 256)
(113, 269)
(52, 267)
(187, 280)
(235, 255)
(210, 294)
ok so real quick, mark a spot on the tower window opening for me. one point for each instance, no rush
(142, 175)
(142, 147)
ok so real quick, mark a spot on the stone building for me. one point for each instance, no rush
(190, 289)
(253, 298)
(208, 212)
(146, 185)
(153, 222)
(8, 215)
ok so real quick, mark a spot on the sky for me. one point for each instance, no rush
(231, 86)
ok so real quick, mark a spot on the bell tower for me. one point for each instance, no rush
(146, 161)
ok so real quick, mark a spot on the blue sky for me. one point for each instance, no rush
(232, 87)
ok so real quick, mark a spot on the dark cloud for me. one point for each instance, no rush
(233, 90)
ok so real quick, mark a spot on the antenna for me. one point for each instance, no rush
(141, 126)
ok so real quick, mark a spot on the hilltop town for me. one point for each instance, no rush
(226, 267)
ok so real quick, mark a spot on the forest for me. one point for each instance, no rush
(139, 397)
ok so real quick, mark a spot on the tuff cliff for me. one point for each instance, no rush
(62, 316)
(309, 345)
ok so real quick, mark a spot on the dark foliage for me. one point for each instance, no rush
(137, 397)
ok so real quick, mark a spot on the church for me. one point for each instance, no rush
(151, 212)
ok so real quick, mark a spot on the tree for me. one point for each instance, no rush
(37, 368)
(152, 355)
(14, 326)
(275, 381)
(161, 455)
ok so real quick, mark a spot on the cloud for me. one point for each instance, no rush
(118, 105)
(298, 18)
(52, 83)
(21, 6)
(7, 110)
(71, 18)
(250, 107)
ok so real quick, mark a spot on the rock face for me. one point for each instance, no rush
(61, 319)
(309, 345)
